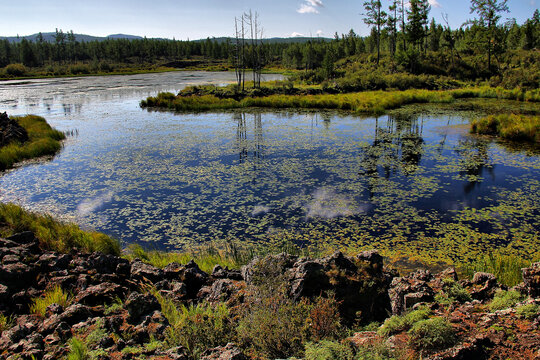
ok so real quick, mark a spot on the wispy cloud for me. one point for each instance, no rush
(320, 33)
(310, 7)
(90, 205)
(435, 4)
(296, 34)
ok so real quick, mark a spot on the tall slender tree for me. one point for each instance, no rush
(488, 15)
(375, 17)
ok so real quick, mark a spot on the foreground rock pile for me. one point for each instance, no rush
(112, 293)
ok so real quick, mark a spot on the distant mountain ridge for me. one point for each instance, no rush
(50, 37)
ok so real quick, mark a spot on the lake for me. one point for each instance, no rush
(412, 181)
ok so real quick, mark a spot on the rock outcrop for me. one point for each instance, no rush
(11, 131)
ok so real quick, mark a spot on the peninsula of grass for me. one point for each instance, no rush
(368, 102)
(42, 140)
(54, 234)
(509, 126)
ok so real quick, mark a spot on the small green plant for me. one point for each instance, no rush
(398, 323)
(452, 292)
(96, 335)
(505, 299)
(328, 350)
(529, 311)
(5, 322)
(116, 306)
(77, 350)
(432, 334)
(52, 296)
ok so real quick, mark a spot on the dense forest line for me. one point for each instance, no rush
(401, 41)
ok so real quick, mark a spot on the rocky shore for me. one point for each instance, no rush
(119, 297)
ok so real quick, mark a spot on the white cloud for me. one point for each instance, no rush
(296, 34)
(90, 205)
(320, 33)
(435, 3)
(328, 204)
(310, 7)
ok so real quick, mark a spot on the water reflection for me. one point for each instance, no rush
(249, 148)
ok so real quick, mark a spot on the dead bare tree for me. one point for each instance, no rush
(254, 56)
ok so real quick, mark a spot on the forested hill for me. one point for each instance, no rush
(50, 37)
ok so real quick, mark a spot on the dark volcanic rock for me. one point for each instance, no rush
(139, 305)
(531, 278)
(484, 286)
(10, 130)
(407, 291)
(99, 294)
(144, 272)
(359, 283)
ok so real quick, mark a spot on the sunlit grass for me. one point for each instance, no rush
(43, 140)
(53, 296)
(509, 126)
(54, 234)
(368, 102)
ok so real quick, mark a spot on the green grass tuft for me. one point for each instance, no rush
(54, 234)
(43, 140)
(507, 268)
(78, 350)
(52, 296)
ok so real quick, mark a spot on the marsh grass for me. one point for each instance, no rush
(77, 350)
(368, 102)
(398, 323)
(52, 296)
(509, 126)
(43, 140)
(507, 268)
(53, 234)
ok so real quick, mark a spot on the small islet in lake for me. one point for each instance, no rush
(412, 181)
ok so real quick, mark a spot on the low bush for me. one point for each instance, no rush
(452, 292)
(398, 323)
(432, 334)
(328, 350)
(529, 311)
(505, 299)
(52, 296)
(15, 70)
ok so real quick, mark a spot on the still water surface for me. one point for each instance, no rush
(412, 180)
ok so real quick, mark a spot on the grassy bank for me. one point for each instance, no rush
(53, 234)
(509, 126)
(369, 102)
(43, 140)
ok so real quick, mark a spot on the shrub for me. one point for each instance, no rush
(397, 323)
(328, 350)
(273, 326)
(324, 320)
(15, 69)
(52, 296)
(529, 311)
(196, 327)
(452, 292)
(505, 299)
(432, 334)
(509, 126)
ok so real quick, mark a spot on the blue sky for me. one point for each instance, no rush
(195, 19)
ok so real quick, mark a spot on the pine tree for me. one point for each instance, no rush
(376, 17)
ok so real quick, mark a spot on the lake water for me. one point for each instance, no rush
(412, 181)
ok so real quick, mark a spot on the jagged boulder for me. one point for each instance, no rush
(531, 279)
(11, 131)
(139, 305)
(407, 291)
(145, 272)
(359, 283)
